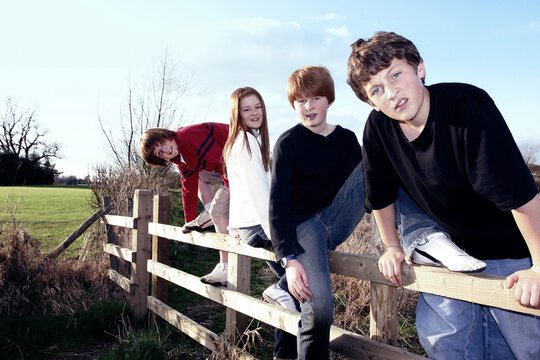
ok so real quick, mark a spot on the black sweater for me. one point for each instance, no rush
(308, 171)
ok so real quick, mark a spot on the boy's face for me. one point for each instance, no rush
(311, 111)
(399, 93)
(166, 150)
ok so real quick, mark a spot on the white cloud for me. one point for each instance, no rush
(533, 25)
(329, 16)
(339, 31)
(251, 24)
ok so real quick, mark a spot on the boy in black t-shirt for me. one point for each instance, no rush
(448, 146)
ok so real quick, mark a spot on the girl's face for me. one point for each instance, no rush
(251, 112)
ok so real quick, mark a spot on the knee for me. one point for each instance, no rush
(213, 213)
(318, 315)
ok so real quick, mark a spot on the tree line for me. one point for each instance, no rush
(25, 156)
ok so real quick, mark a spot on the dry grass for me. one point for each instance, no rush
(32, 284)
(352, 296)
(225, 350)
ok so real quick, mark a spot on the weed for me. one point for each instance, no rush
(32, 284)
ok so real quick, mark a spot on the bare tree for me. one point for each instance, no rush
(529, 152)
(21, 135)
(155, 105)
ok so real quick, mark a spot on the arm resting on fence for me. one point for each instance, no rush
(489, 290)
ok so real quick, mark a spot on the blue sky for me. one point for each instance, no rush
(74, 60)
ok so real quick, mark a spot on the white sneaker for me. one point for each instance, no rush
(439, 250)
(201, 223)
(218, 276)
(276, 295)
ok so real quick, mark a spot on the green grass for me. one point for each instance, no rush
(28, 337)
(50, 213)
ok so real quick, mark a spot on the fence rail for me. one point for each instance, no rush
(154, 235)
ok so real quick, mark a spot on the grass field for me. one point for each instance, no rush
(50, 213)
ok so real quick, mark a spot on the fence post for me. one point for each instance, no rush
(142, 211)
(383, 314)
(238, 278)
(113, 260)
(383, 304)
(160, 248)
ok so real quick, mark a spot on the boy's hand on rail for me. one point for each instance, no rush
(297, 280)
(390, 264)
(527, 289)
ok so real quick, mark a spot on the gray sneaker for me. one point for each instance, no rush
(202, 223)
(276, 295)
(218, 276)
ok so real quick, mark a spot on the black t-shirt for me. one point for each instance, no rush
(465, 170)
(308, 171)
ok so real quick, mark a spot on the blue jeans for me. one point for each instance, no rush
(284, 343)
(255, 236)
(413, 223)
(326, 230)
(455, 329)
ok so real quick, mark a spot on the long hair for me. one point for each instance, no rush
(237, 125)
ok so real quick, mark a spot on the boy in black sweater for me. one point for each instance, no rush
(316, 201)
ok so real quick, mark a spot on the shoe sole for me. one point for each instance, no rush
(440, 264)
(204, 281)
(200, 229)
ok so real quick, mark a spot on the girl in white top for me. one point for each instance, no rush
(246, 156)
(247, 160)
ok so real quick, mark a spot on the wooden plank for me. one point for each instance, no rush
(210, 240)
(189, 327)
(160, 247)
(383, 313)
(140, 242)
(489, 290)
(347, 343)
(75, 235)
(113, 260)
(357, 346)
(122, 281)
(238, 279)
(123, 221)
(120, 252)
(197, 332)
(483, 289)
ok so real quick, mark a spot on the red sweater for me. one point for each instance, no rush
(201, 147)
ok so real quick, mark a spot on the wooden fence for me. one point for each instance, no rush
(149, 255)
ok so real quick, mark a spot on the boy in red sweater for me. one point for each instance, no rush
(196, 150)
